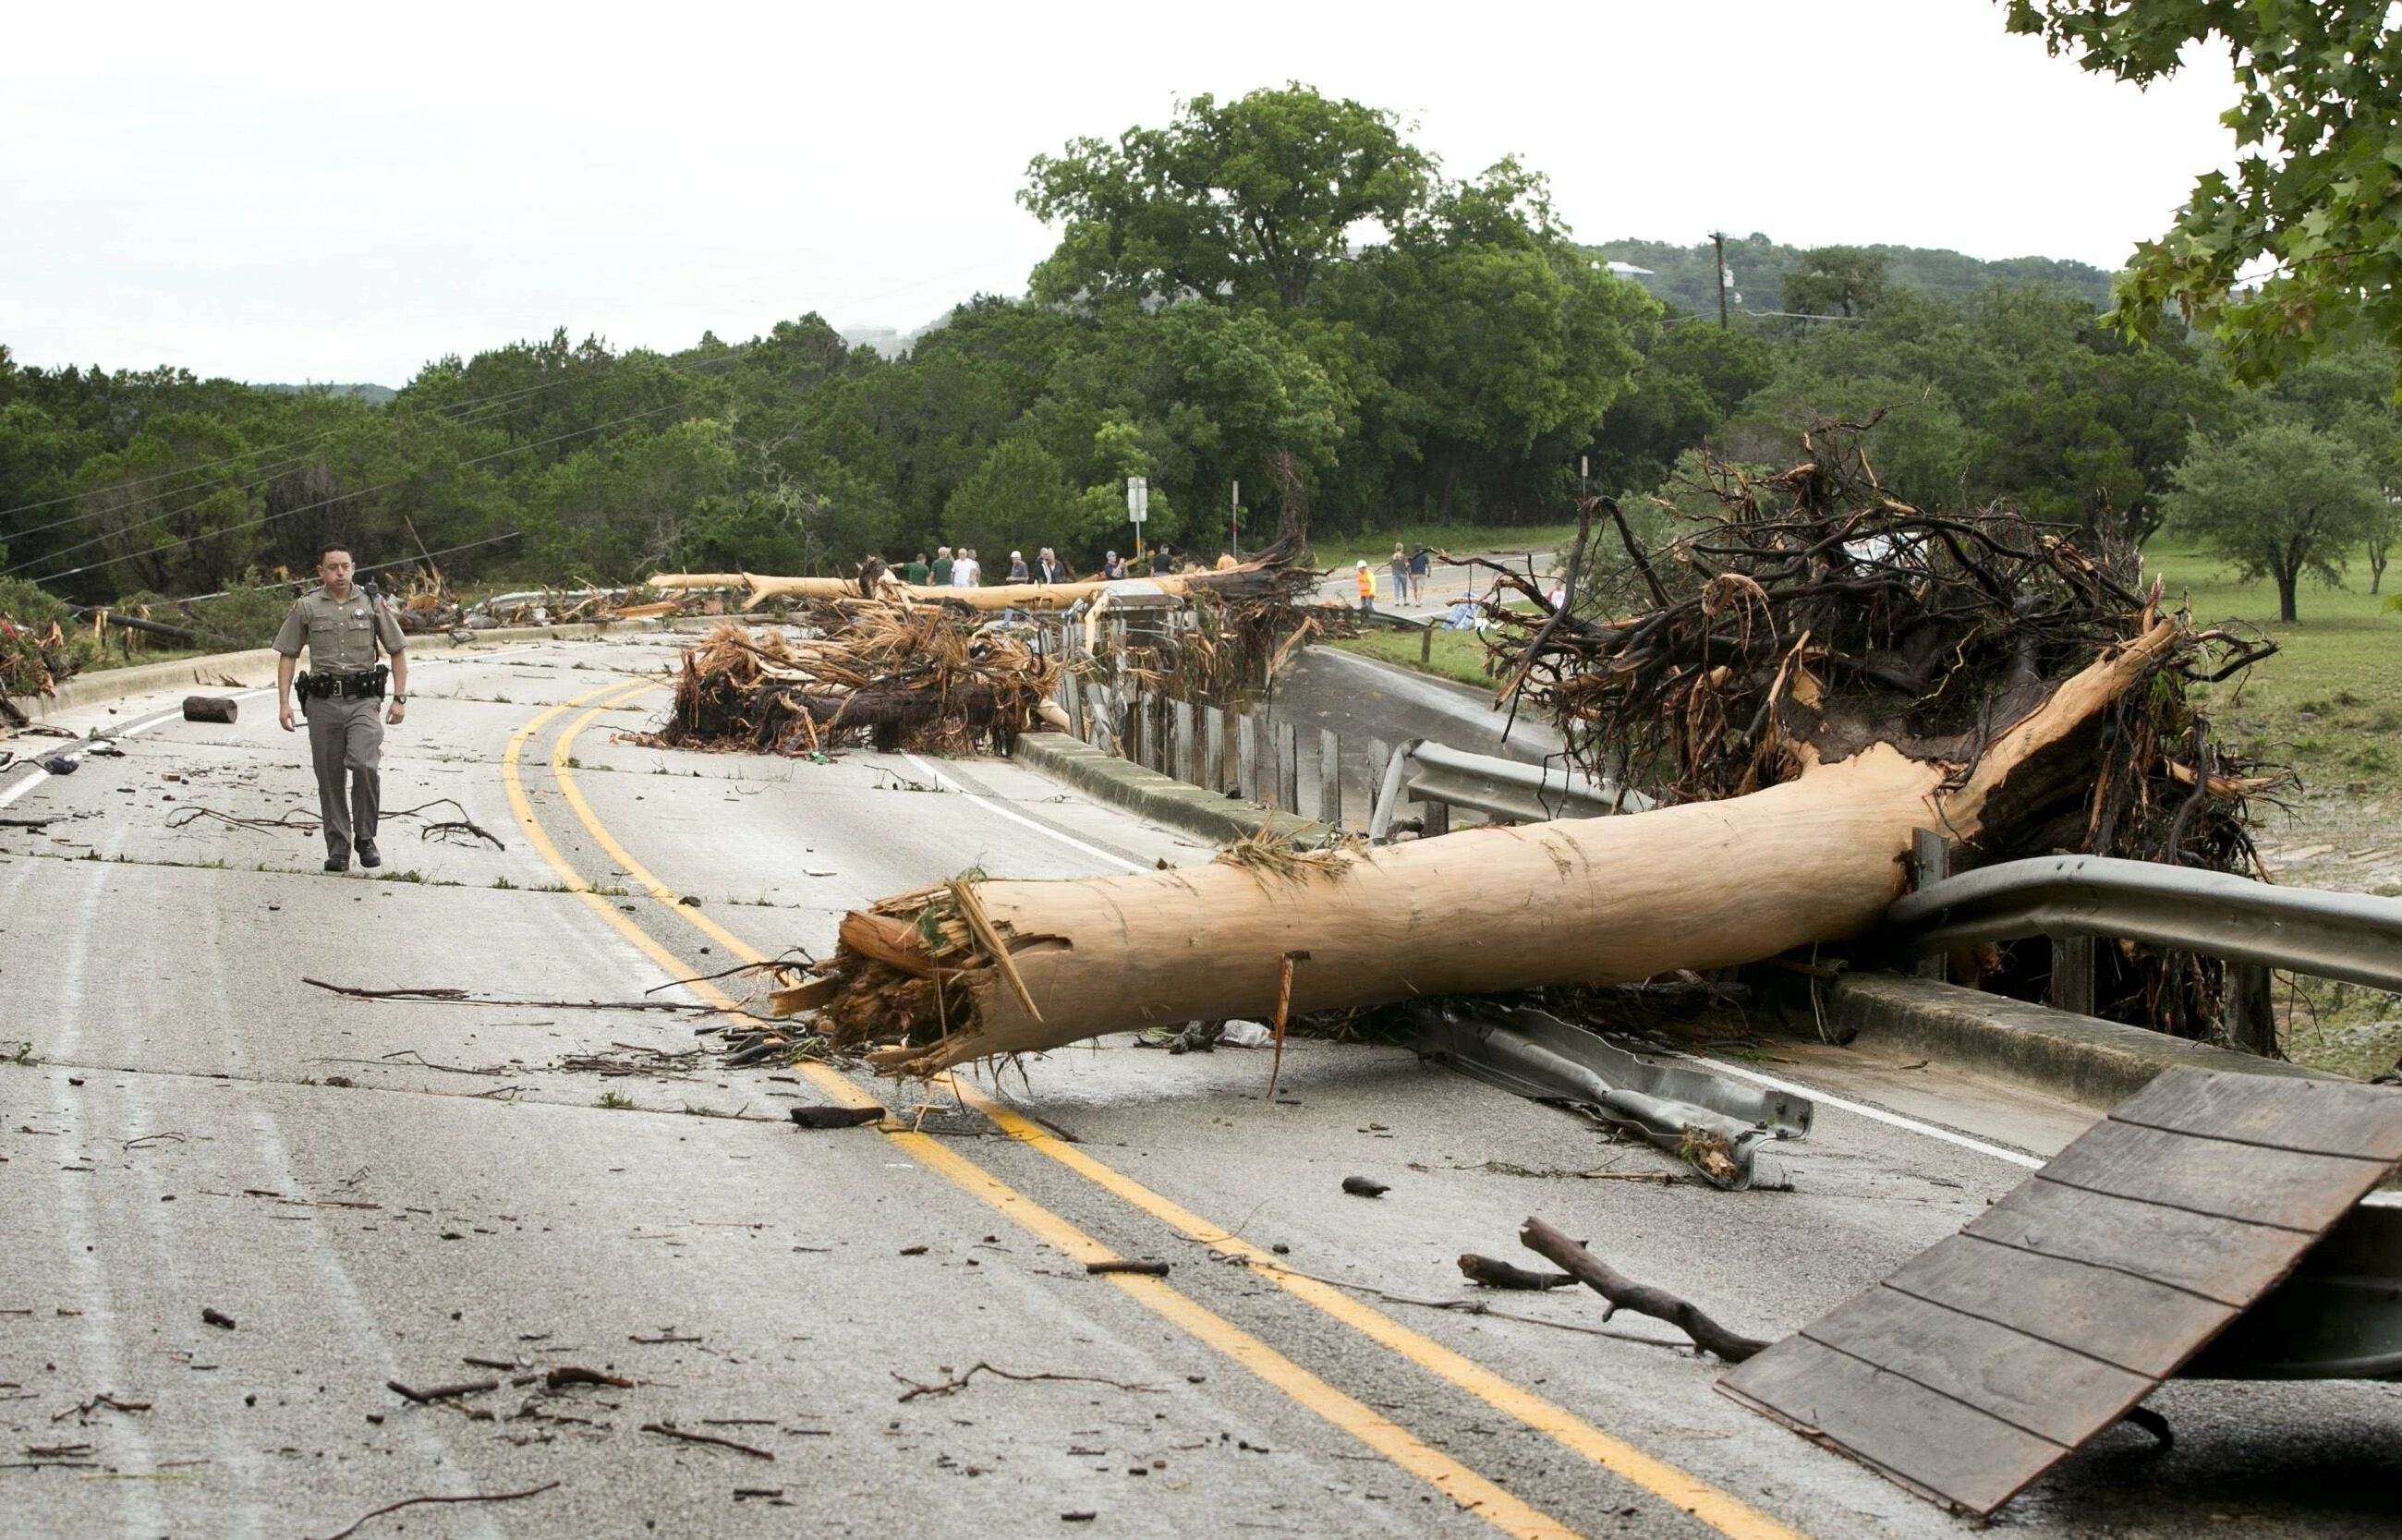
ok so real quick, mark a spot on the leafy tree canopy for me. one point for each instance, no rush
(2306, 236)
(1248, 198)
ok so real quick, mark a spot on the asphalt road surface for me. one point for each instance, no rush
(889, 1329)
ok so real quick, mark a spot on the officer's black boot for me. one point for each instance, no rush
(369, 856)
(338, 863)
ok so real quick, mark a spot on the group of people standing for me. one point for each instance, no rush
(1409, 570)
(962, 570)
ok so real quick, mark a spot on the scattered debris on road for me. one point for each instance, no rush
(210, 1315)
(1361, 1187)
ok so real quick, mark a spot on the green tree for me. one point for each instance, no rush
(1693, 376)
(2315, 199)
(2346, 391)
(1016, 499)
(1836, 281)
(1248, 198)
(2278, 500)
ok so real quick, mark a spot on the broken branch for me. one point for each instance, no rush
(1624, 1293)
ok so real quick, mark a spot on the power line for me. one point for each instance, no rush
(261, 474)
(306, 507)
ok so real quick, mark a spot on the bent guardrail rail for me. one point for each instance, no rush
(1424, 771)
(2356, 937)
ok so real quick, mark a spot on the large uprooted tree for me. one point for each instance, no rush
(1804, 679)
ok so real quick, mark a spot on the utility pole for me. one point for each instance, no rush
(1717, 244)
(1234, 520)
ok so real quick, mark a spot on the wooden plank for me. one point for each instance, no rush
(1188, 746)
(2223, 1260)
(1330, 776)
(2250, 1182)
(1247, 755)
(2050, 1390)
(1288, 767)
(2317, 1116)
(1213, 748)
(2065, 1303)
(1956, 1454)
(2144, 1327)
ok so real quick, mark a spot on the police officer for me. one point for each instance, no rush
(341, 694)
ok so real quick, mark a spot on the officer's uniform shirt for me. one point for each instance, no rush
(340, 634)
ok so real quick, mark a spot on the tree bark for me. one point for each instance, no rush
(1578, 902)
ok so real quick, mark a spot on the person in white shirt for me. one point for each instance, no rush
(966, 573)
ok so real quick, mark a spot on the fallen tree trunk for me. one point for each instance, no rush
(1250, 579)
(1577, 902)
(1804, 686)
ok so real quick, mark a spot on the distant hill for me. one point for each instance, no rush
(374, 395)
(1682, 276)
(891, 341)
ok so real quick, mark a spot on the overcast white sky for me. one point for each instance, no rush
(325, 192)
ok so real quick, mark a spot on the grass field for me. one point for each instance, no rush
(2329, 703)
(1455, 654)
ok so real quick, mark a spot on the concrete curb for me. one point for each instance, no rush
(209, 670)
(2084, 1059)
(1162, 799)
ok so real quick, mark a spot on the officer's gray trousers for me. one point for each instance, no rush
(346, 737)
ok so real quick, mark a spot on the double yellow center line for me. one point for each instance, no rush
(1722, 1511)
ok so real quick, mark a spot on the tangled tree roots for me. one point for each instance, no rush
(892, 677)
(1813, 615)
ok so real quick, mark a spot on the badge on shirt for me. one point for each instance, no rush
(358, 615)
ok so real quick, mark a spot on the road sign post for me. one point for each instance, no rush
(1138, 507)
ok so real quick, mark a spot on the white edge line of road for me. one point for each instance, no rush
(1875, 1114)
(12, 794)
(1002, 807)
(142, 726)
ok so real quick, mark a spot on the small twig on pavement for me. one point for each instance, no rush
(441, 1393)
(671, 1431)
(960, 1381)
(352, 1528)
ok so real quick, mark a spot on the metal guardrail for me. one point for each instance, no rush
(1424, 771)
(2350, 935)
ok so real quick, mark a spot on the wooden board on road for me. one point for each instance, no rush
(1998, 1352)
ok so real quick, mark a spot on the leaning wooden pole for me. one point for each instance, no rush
(1579, 901)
